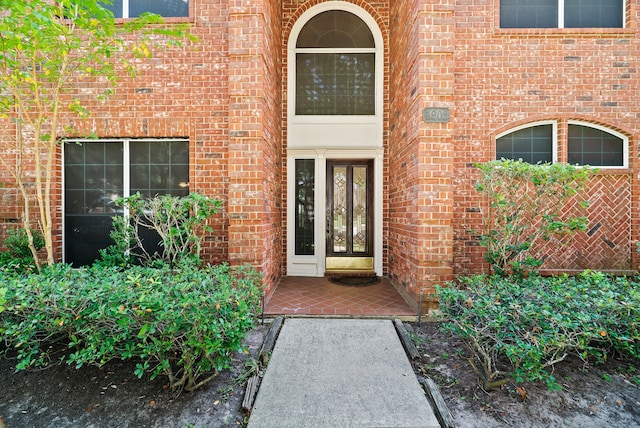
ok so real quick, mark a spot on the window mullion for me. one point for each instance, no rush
(335, 50)
(125, 8)
(126, 169)
(560, 13)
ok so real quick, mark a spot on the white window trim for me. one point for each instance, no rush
(125, 8)
(332, 137)
(554, 135)
(624, 138)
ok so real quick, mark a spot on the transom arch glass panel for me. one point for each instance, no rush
(533, 144)
(595, 147)
(335, 66)
(335, 29)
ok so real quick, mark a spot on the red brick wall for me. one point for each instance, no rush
(180, 92)
(420, 154)
(223, 94)
(255, 136)
(508, 77)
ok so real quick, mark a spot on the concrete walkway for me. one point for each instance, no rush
(340, 373)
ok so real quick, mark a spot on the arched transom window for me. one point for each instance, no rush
(335, 66)
(585, 144)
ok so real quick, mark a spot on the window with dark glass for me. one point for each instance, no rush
(528, 13)
(595, 147)
(135, 8)
(335, 66)
(305, 207)
(94, 178)
(593, 13)
(561, 13)
(533, 144)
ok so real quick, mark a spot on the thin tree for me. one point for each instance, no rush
(47, 48)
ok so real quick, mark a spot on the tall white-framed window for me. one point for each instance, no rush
(562, 13)
(98, 172)
(135, 8)
(335, 57)
(336, 78)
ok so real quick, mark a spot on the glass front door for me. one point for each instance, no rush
(349, 215)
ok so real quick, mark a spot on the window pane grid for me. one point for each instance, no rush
(593, 13)
(335, 29)
(335, 84)
(591, 146)
(159, 168)
(94, 179)
(562, 13)
(135, 8)
(528, 13)
(533, 145)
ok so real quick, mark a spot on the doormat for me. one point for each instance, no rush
(355, 281)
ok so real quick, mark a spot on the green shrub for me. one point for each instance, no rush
(526, 207)
(3, 299)
(179, 221)
(121, 252)
(185, 324)
(18, 256)
(518, 329)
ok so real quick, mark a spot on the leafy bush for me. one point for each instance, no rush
(3, 299)
(184, 324)
(178, 221)
(518, 329)
(526, 204)
(121, 253)
(18, 256)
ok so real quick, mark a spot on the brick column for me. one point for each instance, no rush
(254, 136)
(436, 64)
(420, 154)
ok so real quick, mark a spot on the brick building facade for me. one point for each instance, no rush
(375, 171)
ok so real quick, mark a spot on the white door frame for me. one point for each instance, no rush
(332, 137)
(315, 265)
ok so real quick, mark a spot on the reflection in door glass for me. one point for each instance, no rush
(339, 209)
(359, 209)
(305, 207)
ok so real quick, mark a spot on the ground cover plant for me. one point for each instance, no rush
(517, 329)
(183, 323)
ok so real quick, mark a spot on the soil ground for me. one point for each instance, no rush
(606, 395)
(111, 396)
